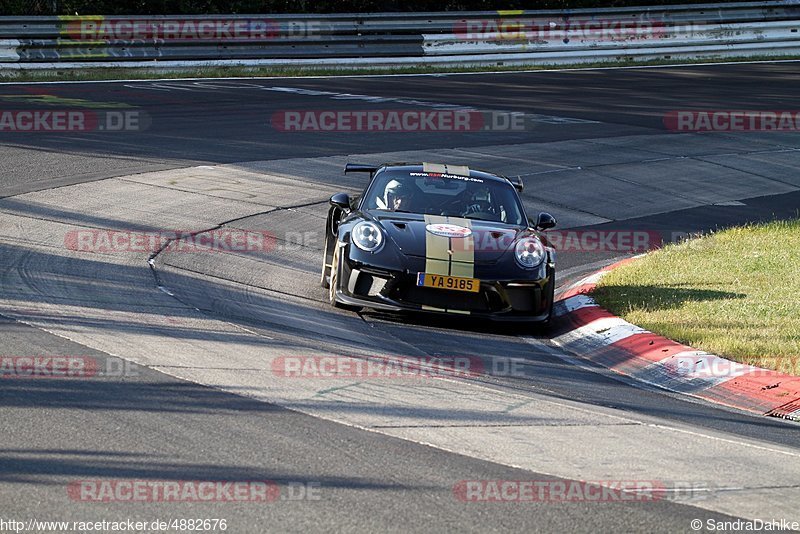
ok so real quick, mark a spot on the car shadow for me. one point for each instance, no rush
(460, 323)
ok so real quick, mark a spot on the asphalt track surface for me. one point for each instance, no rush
(200, 402)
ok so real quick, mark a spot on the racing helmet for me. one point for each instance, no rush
(395, 190)
(481, 194)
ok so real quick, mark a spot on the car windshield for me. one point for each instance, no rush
(445, 194)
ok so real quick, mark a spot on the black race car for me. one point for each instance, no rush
(442, 239)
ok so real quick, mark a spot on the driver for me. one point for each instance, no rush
(397, 196)
(479, 201)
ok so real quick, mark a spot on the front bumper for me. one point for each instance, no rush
(499, 298)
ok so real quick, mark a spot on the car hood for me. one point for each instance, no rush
(487, 241)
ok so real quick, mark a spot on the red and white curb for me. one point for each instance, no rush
(591, 332)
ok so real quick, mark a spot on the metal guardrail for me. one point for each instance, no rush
(469, 38)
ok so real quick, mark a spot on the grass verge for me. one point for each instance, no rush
(734, 293)
(156, 72)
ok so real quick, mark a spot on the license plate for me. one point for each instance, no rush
(456, 283)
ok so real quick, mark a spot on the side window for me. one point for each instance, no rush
(370, 198)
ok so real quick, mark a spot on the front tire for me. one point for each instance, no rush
(542, 328)
(334, 277)
(336, 267)
(331, 231)
(326, 269)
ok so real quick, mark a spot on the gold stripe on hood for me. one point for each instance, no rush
(462, 259)
(449, 256)
(437, 260)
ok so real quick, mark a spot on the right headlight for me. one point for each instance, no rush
(367, 236)
(529, 252)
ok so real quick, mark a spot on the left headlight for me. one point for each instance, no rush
(529, 252)
(367, 236)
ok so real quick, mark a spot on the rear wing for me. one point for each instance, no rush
(516, 181)
(360, 167)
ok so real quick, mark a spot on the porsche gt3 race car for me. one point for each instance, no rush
(441, 239)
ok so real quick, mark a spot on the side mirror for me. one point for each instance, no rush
(341, 200)
(545, 221)
(516, 181)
